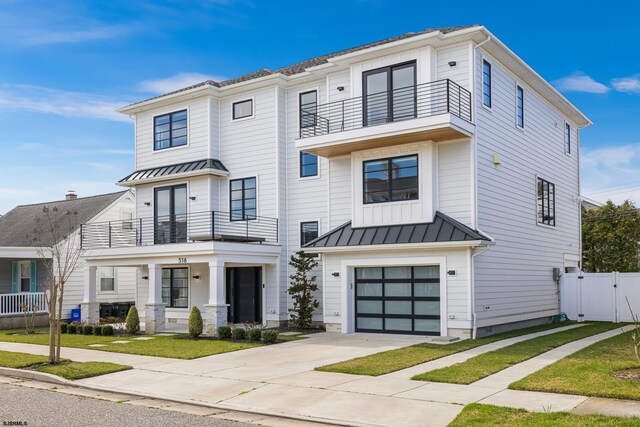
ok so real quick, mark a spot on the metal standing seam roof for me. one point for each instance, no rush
(179, 168)
(442, 229)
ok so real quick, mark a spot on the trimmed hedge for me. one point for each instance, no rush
(255, 334)
(97, 330)
(107, 330)
(87, 329)
(238, 334)
(195, 323)
(63, 327)
(224, 332)
(269, 336)
(132, 324)
(71, 328)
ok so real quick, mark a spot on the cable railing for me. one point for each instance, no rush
(180, 228)
(410, 102)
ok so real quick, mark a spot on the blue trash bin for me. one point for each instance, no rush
(75, 315)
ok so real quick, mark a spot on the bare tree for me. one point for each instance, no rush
(57, 243)
(635, 335)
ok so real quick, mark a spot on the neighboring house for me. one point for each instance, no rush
(434, 174)
(22, 270)
(589, 204)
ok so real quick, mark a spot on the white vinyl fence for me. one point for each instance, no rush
(600, 296)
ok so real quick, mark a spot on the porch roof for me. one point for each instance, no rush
(212, 166)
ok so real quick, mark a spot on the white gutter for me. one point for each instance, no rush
(474, 320)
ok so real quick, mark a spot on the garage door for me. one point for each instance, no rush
(400, 300)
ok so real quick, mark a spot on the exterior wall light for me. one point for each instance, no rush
(340, 88)
(452, 63)
(145, 277)
(196, 277)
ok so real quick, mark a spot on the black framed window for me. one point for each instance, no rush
(170, 130)
(308, 232)
(546, 206)
(308, 102)
(308, 164)
(520, 107)
(243, 109)
(567, 138)
(170, 214)
(243, 199)
(389, 94)
(486, 83)
(175, 287)
(390, 180)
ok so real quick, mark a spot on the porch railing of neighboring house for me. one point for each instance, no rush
(410, 102)
(180, 228)
(23, 302)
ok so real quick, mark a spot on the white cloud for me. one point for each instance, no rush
(43, 36)
(580, 82)
(175, 82)
(627, 84)
(611, 173)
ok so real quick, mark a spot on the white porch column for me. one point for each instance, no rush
(154, 309)
(89, 307)
(215, 312)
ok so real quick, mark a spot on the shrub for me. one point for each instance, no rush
(255, 334)
(97, 330)
(269, 336)
(238, 334)
(303, 286)
(224, 332)
(63, 327)
(195, 323)
(107, 330)
(87, 329)
(71, 328)
(132, 325)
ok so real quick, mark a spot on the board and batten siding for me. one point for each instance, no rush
(513, 279)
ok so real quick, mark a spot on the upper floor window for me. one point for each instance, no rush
(308, 109)
(308, 164)
(107, 276)
(390, 180)
(546, 208)
(567, 138)
(486, 84)
(520, 107)
(243, 199)
(170, 130)
(243, 109)
(308, 232)
(389, 94)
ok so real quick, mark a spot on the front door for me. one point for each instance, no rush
(244, 292)
(171, 214)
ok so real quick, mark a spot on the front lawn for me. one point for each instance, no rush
(406, 357)
(589, 372)
(485, 364)
(478, 415)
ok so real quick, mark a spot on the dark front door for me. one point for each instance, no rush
(244, 291)
(171, 214)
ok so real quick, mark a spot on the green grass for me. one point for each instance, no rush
(176, 346)
(80, 370)
(478, 415)
(589, 372)
(489, 363)
(10, 359)
(406, 357)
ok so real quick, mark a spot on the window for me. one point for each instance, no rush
(127, 220)
(391, 180)
(546, 203)
(486, 84)
(170, 130)
(170, 214)
(567, 138)
(243, 199)
(175, 287)
(389, 94)
(107, 278)
(25, 276)
(520, 107)
(308, 109)
(242, 109)
(308, 232)
(308, 164)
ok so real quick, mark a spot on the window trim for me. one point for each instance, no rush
(172, 267)
(300, 94)
(519, 89)
(300, 175)
(169, 113)
(115, 281)
(389, 69)
(389, 159)
(253, 109)
(538, 222)
(162, 186)
(567, 143)
(243, 199)
(490, 106)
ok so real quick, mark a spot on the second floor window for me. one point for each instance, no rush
(486, 84)
(546, 207)
(243, 199)
(390, 180)
(520, 107)
(243, 109)
(308, 164)
(567, 138)
(308, 109)
(308, 232)
(170, 130)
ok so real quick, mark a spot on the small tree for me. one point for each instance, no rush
(301, 290)
(195, 323)
(132, 325)
(635, 334)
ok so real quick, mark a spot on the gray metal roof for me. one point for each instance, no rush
(442, 229)
(179, 168)
(18, 226)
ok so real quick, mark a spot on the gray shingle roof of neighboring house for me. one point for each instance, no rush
(179, 168)
(301, 66)
(442, 229)
(18, 225)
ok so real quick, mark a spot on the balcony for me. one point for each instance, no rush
(183, 228)
(437, 111)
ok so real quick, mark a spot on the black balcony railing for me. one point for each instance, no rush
(181, 228)
(411, 102)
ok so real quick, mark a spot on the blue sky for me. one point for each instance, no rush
(65, 69)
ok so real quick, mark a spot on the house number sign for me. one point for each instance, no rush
(182, 260)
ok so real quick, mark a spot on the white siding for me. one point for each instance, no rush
(340, 191)
(460, 73)
(454, 181)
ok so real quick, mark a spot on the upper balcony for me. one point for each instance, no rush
(437, 111)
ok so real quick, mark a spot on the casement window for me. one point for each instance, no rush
(308, 164)
(242, 109)
(25, 276)
(308, 232)
(546, 208)
(520, 107)
(390, 180)
(486, 84)
(175, 287)
(567, 138)
(308, 102)
(243, 199)
(107, 278)
(170, 130)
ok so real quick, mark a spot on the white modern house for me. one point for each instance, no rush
(434, 175)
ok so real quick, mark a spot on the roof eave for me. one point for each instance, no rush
(397, 246)
(215, 172)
